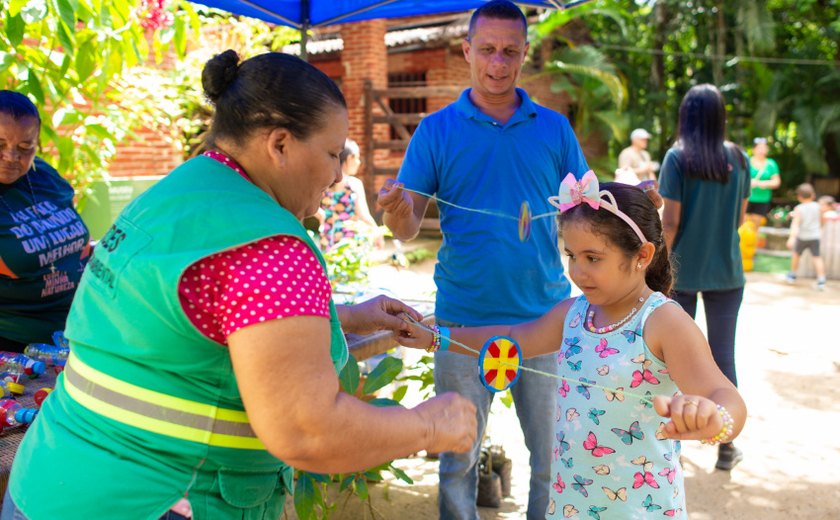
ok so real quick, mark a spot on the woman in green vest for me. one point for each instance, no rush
(764, 173)
(204, 343)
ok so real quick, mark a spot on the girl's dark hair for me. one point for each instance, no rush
(270, 90)
(701, 135)
(17, 105)
(637, 205)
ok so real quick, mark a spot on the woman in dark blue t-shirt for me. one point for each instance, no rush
(44, 244)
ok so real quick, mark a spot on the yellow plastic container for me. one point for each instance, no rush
(749, 240)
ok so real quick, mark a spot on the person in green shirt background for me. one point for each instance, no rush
(765, 178)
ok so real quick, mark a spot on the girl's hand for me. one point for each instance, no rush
(693, 417)
(415, 336)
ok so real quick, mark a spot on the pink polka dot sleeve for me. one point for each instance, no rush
(272, 278)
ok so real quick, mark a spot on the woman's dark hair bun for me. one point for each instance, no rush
(219, 73)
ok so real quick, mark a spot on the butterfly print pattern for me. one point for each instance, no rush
(610, 455)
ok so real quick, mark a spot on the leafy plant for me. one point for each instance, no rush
(760, 54)
(419, 255)
(66, 56)
(311, 491)
(779, 216)
(422, 373)
(98, 71)
(348, 260)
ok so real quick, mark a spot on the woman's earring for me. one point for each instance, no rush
(638, 265)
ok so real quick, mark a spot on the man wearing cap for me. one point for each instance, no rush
(636, 157)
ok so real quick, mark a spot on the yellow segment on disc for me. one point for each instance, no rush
(504, 362)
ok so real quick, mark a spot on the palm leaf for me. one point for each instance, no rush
(613, 82)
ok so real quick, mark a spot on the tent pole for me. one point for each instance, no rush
(304, 29)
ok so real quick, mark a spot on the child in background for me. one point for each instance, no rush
(828, 208)
(614, 455)
(805, 233)
(344, 207)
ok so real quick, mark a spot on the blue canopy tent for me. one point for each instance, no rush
(307, 14)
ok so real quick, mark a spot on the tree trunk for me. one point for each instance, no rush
(657, 72)
(720, 45)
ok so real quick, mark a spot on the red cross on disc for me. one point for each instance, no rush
(499, 362)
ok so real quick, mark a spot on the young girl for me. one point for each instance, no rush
(616, 452)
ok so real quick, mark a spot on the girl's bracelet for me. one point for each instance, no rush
(725, 432)
(440, 339)
(435, 346)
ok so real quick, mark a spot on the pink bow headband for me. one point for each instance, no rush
(574, 192)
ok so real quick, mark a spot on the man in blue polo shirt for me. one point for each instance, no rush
(492, 149)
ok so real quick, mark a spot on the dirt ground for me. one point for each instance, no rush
(788, 359)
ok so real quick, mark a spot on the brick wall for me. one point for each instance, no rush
(364, 58)
(150, 153)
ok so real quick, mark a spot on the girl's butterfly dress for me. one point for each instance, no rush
(641, 376)
(591, 444)
(559, 485)
(649, 505)
(640, 479)
(595, 369)
(595, 415)
(580, 484)
(627, 436)
(631, 335)
(603, 350)
(618, 494)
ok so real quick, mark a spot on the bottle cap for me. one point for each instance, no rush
(15, 388)
(38, 368)
(41, 394)
(26, 415)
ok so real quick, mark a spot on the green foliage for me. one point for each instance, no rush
(779, 216)
(66, 55)
(419, 255)
(422, 373)
(764, 263)
(383, 374)
(99, 70)
(598, 91)
(776, 62)
(171, 98)
(349, 376)
(312, 491)
(348, 260)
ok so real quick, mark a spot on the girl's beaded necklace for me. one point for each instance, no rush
(590, 318)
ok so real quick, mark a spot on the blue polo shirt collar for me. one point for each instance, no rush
(469, 110)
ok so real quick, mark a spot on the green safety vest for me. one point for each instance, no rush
(148, 410)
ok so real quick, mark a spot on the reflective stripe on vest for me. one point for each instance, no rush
(156, 412)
